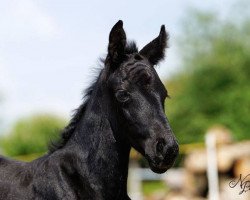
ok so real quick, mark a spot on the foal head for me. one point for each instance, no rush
(139, 97)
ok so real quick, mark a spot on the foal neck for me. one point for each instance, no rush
(99, 124)
(99, 143)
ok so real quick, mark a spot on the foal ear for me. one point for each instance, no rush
(155, 50)
(117, 42)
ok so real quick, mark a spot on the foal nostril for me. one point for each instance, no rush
(172, 151)
(160, 146)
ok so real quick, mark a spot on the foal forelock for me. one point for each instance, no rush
(134, 73)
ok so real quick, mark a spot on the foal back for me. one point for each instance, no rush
(10, 169)
(46, 178)
(11, 172)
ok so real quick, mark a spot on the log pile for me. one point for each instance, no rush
(233, 161)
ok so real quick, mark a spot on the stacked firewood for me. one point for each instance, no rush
(233, 162)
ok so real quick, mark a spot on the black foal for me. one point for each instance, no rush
(124, 108)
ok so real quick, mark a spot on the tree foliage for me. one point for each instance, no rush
(213, 86)
(31, 135)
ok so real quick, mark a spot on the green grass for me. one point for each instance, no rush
(150, 187)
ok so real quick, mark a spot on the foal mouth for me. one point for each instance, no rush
(159, 168)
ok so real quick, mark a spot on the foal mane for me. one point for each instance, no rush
(70, 128)
(79, 112)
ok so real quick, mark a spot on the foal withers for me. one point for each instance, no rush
(124, 108)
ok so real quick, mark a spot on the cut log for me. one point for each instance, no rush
(227, 155)
(242, 167)
(222, 135)
(196, 161)
(194, 184)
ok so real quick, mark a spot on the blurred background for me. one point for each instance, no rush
(49, 51)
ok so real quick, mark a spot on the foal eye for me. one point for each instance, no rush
(145, 79)
(122, 96)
